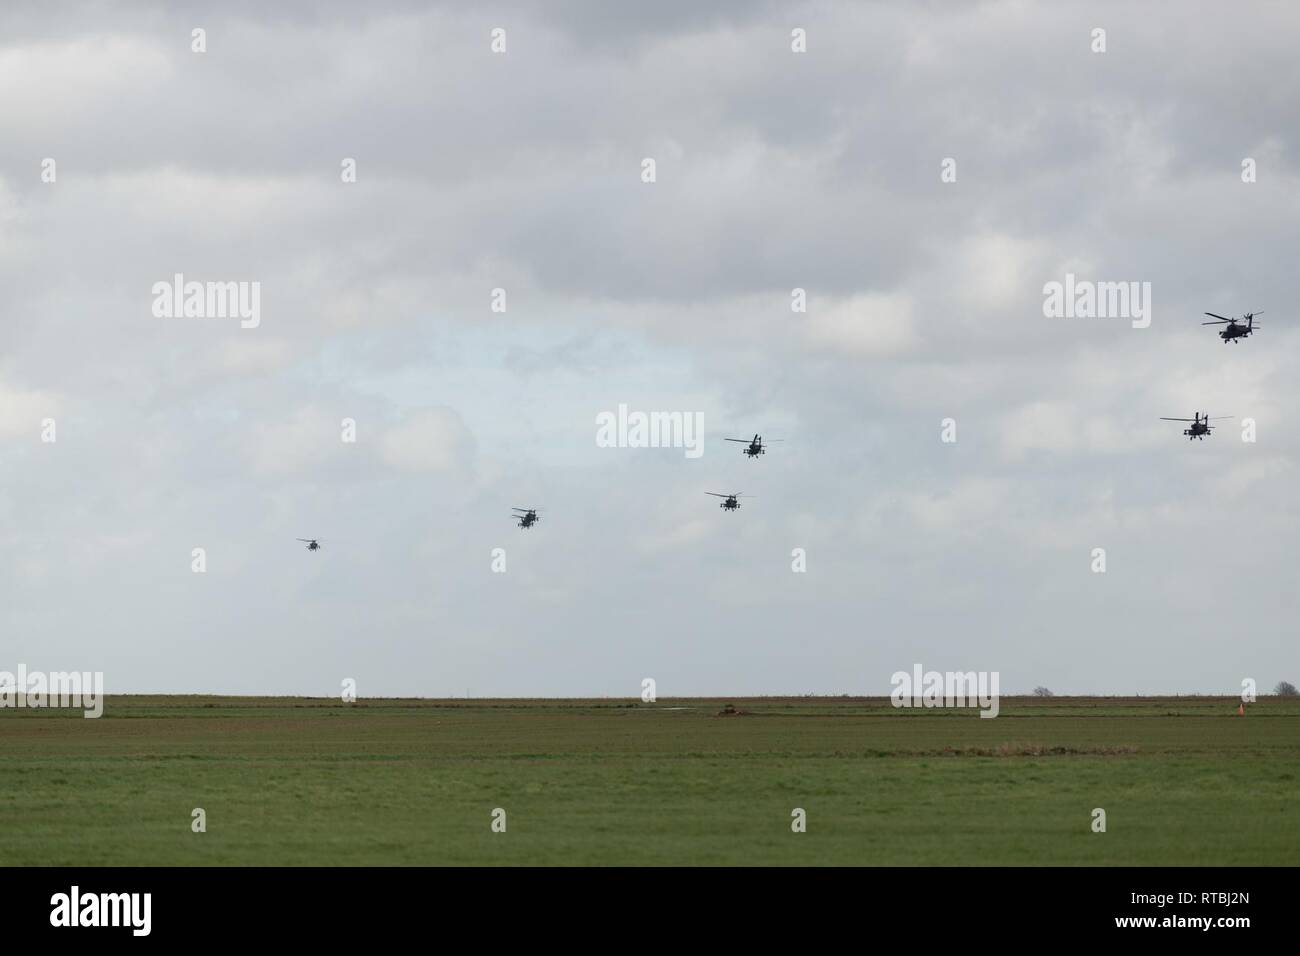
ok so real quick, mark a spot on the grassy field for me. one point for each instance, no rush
(308, 781)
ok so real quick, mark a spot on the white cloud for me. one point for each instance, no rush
(428, 440)
(22, 410)
(818, 171)
(304, 439)
(1063, 428)
(864, 325)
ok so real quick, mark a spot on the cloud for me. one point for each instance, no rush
(863, 325)
(1061, 428)
(296, 443)
(776, 170)
(427, 440)
(23, 410)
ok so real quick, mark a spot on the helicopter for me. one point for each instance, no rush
(730, 503)
(753, 446)
(528, 518)
(1234, 330)
(1200, 425)
(312, 543)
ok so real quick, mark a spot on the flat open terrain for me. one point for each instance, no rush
(310, 781)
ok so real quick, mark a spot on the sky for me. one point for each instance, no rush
(523, 170)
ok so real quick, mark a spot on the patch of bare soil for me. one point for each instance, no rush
(730, 710)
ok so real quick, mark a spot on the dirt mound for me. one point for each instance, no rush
(729, 710)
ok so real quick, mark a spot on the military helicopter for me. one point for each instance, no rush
(312, 543)
(730, 503)
(754, 446)
(528, 518)
(1235, 330)
(1200, 425)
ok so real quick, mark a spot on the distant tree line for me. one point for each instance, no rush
(1283, 689)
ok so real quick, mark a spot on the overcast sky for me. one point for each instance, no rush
(775, 170)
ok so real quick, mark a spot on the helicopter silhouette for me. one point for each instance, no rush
(312, 543)
(730, 502)
(1200, 424)
(528, 518)
(753, 446)
(1233, 329)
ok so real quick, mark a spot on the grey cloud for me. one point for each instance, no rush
(819, 171)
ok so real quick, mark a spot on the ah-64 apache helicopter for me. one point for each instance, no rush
(754, 446)
(528, 518)
(1233, 329)
(730, 502)
(1200, 424)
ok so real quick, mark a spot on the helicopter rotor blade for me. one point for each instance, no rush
(1163, 419)
(1217, 316)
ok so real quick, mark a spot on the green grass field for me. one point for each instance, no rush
(307, 781)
